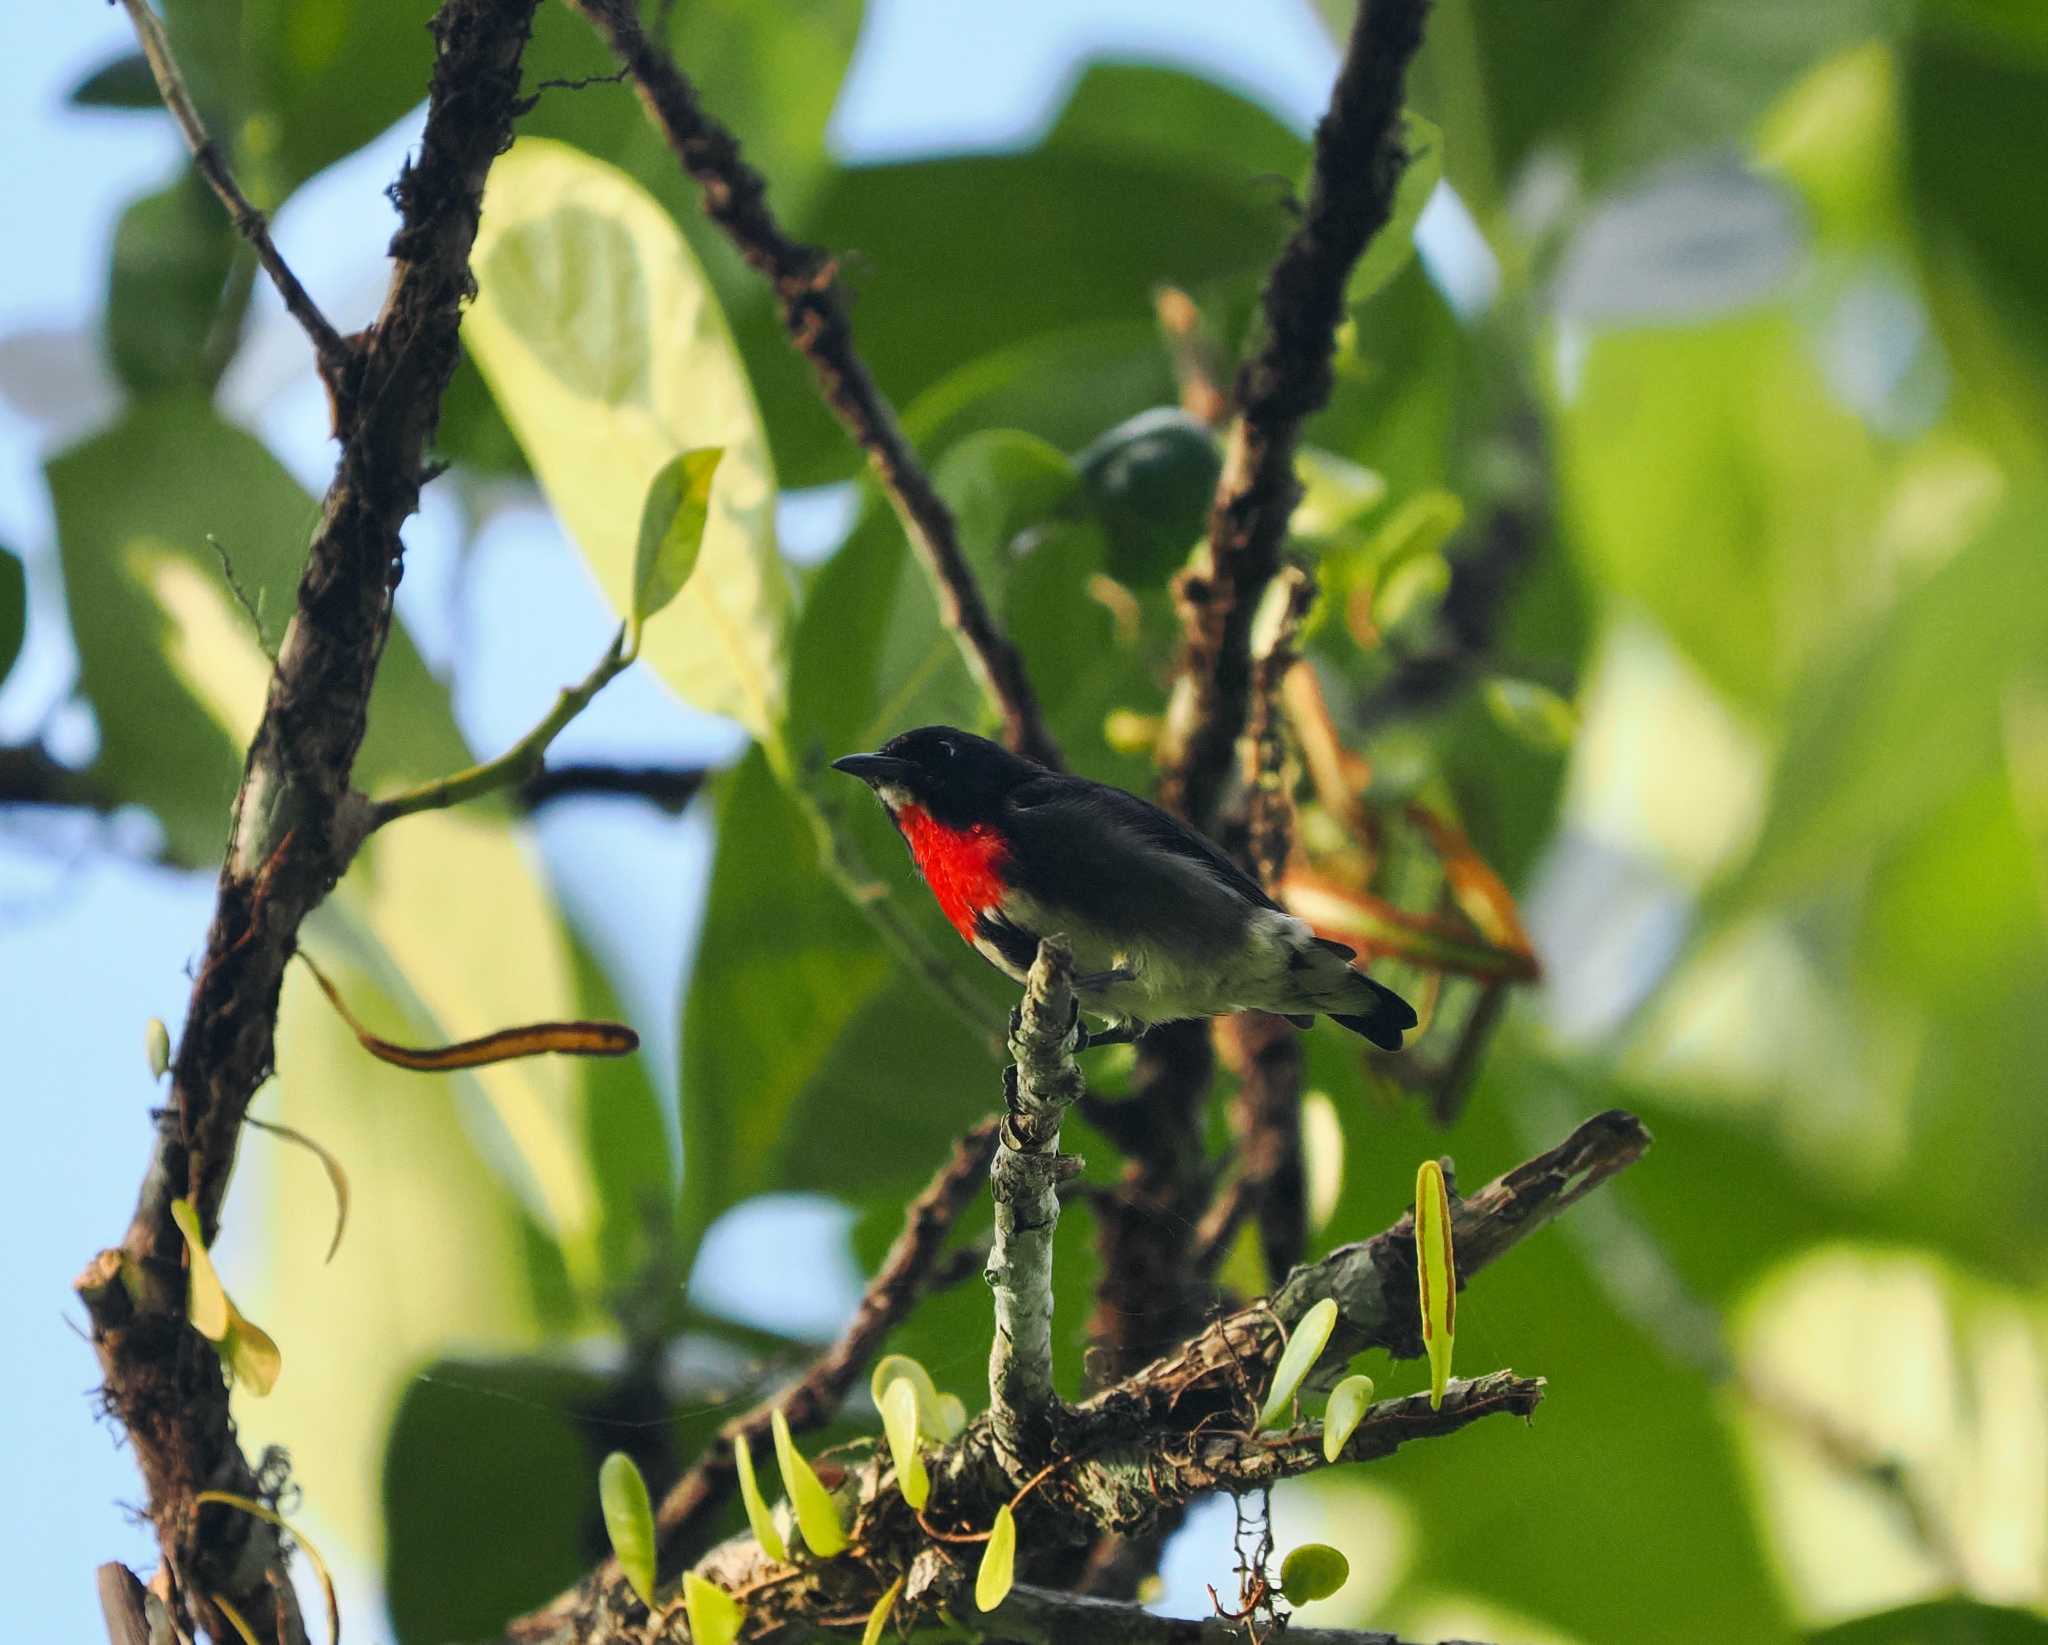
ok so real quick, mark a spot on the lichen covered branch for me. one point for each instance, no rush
(1041, 1085)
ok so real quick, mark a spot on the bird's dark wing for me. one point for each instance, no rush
(1081, 814)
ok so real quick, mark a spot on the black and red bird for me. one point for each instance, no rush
(1163, 925)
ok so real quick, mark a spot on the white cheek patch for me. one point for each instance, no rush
(894, 796)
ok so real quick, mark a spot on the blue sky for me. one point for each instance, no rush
(92, 945)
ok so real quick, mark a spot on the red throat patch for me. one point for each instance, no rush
(959, 864)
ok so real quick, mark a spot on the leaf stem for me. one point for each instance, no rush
(519, 762)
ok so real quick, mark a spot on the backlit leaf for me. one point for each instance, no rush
(878, 1618)
(998, 1570)
(715, 1616)
(1349, 1401)
(1315, 1570)
(604, 345)
(672, 522)
(760, 1520)
(629, 1521)
(899, 1422)
(1304, 1347)
(206, 1301)
(817, 1515)
(1436, 1274)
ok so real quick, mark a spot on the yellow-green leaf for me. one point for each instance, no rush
(817, 1515)
(892, 1368)
(998, 1562)
(759, 1519)
(156, 1039)
(251, 1353)
(672, 522)
(1348, 1403)
(878, 1618)
(206, 1299)
(1315, 1570)
(952, 1418)
(337, 1178)
(1436, 1274)
(1394, 244)
(1311, 1332)
(899, 1422)
(628, 1521)
(715, 1616)
(602, 341)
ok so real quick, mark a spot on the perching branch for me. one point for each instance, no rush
(296, 826)
(1041, 1085)
(805, 282)
(667, 788)
(334, 354)
(1181, 1426)
(913, 1267)
(1357, 167)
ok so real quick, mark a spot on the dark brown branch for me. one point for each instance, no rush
(29, 775)
(1137, 1451)
(913, 1266)
(804, 279)
(1039, 1616)
(1358, 164)
(668, 788)
(297, 824)
(334, 354)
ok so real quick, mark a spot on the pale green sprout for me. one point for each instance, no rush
(628, 1521)
(759, 1519)
(998, 1562)
(1436, 1275)
(1304, 1348)
(878, 1618)
(1349, 1401)
(248, 1350)
(715, 1616)
(672, 521)
(817, 1515)
(1315, 1570)
(899, 1423)
(156, 1039)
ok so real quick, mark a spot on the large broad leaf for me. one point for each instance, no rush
(173, 313)
(1939, 1622)
(604, 345)
(13, 608)
(1710, 477)
(1616, 85)
(1149, 176)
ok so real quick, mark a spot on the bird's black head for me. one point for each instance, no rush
(959, 778)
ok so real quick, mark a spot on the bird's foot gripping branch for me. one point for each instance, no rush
(979, 1523)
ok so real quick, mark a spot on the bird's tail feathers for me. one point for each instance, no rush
(1349, 998)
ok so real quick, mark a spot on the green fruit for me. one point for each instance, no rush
(1150, 481)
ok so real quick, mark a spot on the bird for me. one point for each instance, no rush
(1163, 926)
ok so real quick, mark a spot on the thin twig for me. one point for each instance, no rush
(334, 354)
(519, 763)
(805, 282)
(1358, 164)
(668, 788)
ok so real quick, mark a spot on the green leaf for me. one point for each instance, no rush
(1389, 250)
(121, 82)
(1436, 1274)
(172, 315)
(1349, 1401)
(13, 609)
(156, 1039)
(759, 1520)
(251, 1353)
(1313, 1571)
(1149, 176)
(900, 1424)
(1151, 480)
(672, 522)
(715, 1616)
(878, 1618)
(1304, 1347)
(604, 345)
(1938, 1622)
(998, 1569)
(817, 1515)
(891, 1369)
(952, 1418)
(1532, 712)
(206, 1300)
(629, 1522)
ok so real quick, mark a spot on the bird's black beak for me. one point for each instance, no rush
(874, 768)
